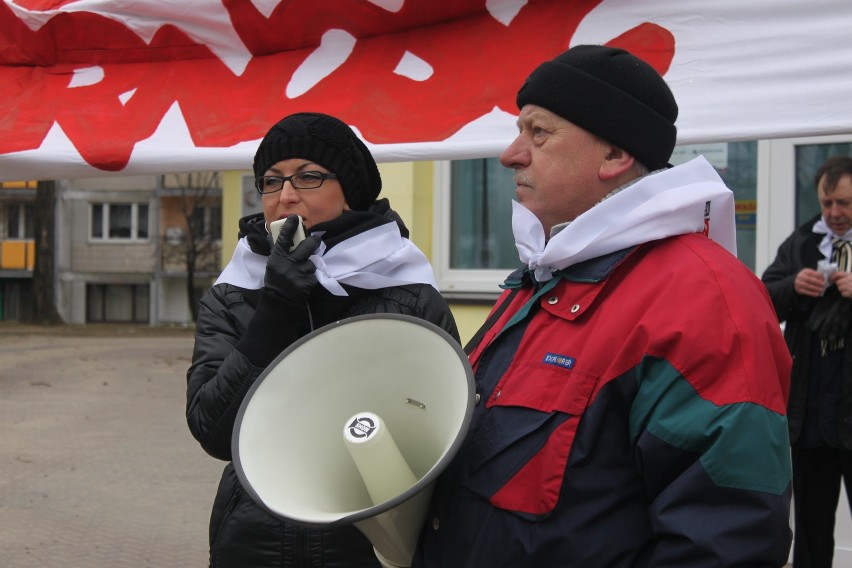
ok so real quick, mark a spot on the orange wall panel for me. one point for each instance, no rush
(17, 255)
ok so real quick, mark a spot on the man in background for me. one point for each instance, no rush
(810, 282)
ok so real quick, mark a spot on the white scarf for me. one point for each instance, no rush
(378, 258)
(690, 198)
(827, 242)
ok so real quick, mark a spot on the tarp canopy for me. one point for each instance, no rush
(106, 87)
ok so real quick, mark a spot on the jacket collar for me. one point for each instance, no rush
(690, 198)
(589, 271)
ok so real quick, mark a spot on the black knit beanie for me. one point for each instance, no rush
(612, 94)
(328, 142)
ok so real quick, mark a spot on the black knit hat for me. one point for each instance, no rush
(330, 143)
(612, 94)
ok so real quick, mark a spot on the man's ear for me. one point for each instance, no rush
(615, 163)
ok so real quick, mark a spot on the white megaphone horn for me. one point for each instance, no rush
(352, 424)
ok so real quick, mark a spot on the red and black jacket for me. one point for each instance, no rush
(631, 413)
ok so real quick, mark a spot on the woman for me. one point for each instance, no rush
(314, 166)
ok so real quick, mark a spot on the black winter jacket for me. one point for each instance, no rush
(238, 333)
(800, 250)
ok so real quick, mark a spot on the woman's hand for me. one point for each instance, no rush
(291, 274)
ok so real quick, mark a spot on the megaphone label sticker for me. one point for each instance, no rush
(362, 427)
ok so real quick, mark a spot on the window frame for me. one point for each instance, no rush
(454, 283)
(776, 187)
(134, 222)
(208, 220)
(97, 302)
(20, 220)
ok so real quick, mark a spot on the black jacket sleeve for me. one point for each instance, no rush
(234, 342)
(778, 278)
(798, 251)
(219, 375)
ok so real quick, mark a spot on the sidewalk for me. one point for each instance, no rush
(97, 466)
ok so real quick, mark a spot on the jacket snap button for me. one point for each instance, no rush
(575, 308)
(552, 300)
(476, 398)
(435, 523)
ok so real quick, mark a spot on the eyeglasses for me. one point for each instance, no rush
(301, 180)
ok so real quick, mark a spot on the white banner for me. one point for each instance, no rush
(105, 87)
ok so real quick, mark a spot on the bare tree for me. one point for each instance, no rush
(44, 294)
(190, 212)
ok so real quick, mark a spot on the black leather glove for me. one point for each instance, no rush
(291, 274)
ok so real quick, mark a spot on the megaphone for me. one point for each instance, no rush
(352, 424)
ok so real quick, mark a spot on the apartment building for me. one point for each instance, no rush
(126, 247)
(17, 249)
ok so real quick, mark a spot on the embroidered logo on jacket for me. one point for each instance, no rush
(559, 360)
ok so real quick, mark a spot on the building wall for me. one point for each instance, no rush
(114, 259)
(82, 260)
(232, 210)
(112, 184)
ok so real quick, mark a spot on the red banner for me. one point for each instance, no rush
(151, 86)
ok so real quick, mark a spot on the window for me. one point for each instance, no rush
(214, 222)
(196, 221)
(736, 164)
(119, 221)
(809, 157)
(786, 192)
(207, 222)
(20, 222)
(480, 214)
(250, 203)
(473, 237)
(114, 303)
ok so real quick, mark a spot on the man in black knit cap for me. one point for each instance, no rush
(631, 381)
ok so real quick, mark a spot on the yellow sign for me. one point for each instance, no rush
(745, 211)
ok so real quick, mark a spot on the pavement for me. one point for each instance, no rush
(97, 466)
